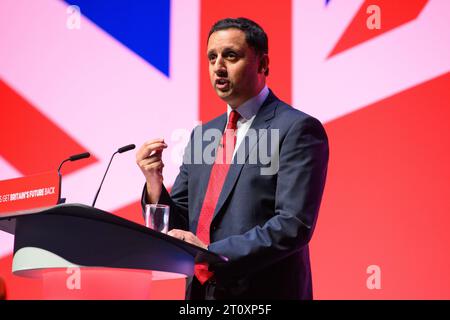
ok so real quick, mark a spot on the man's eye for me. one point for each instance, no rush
(212, 57)
(232, 55)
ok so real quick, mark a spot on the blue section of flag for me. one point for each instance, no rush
(326, 2)
(143, 26)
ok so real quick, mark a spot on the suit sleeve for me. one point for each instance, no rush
(300, 183)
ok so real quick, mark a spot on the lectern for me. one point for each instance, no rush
(117, 257)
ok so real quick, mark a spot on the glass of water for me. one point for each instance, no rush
(157, 217)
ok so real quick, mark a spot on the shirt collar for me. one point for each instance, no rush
(250, 107)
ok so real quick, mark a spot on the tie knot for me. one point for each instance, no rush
(234, 117)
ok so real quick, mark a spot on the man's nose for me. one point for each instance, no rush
(219, 66)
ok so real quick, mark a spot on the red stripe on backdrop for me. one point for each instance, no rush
(19, 288)
(386, 199)
(392, 15)
(30, 141)
(274, 16)
(132, 212)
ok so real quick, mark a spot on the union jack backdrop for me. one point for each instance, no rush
(88, 75)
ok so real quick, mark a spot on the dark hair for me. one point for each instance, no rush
(254, 35)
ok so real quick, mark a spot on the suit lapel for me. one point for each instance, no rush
(261, 121)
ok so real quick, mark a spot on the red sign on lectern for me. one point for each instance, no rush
(36, 191)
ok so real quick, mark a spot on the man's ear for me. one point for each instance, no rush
(264, 64)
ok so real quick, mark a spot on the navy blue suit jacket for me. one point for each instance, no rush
(262, 222)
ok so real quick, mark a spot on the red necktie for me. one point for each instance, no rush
(219, 172)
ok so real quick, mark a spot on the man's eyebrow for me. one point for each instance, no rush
(230, 49)
(233, 48)
(224, 50)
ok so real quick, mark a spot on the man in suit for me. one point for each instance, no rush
(260, 214)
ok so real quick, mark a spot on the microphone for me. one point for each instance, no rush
(126, 148)
(79, 156)
(75, 157)
(120, 150)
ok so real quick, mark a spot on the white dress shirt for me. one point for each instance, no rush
(248, 111)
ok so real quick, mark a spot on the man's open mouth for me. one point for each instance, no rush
(222, 84)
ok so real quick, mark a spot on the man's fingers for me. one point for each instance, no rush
(177, 233)
(146, 150)
(187, 236)
(149, 142)
(149, 149)
(153, 166)
(151, 159)
(154, 147)
(145, 163)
